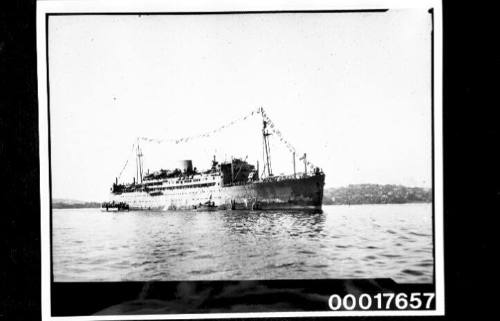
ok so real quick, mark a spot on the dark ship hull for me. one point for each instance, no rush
(284, 194)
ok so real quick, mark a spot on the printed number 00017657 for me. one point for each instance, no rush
(381, 301)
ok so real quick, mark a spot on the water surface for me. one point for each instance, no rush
(360, 241)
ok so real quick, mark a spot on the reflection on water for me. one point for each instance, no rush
(364, 241)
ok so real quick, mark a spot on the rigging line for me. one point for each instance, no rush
(241, 168)
(289, 146)
(206, 134)
(263, 156)
(126, 162)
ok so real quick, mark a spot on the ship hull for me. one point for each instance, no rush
(278, 194)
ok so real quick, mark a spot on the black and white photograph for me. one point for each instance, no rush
(259, 160)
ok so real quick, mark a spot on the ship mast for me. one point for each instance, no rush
(139, 163)
(266, 148)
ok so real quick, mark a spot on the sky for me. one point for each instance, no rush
(352, 90)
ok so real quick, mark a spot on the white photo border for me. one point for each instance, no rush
(45, 7)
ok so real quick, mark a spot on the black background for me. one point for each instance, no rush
(471, 164)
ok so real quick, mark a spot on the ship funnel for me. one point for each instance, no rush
(185, 165)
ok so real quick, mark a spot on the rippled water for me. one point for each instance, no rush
(361, 241)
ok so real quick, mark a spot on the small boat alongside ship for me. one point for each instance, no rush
(229, 185)
(204, 207)
(114, 206)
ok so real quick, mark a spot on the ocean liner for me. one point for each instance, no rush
(229, 185)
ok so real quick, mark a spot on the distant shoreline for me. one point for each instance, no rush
(63, 207)
(376, 194)
(338, 204)
(359, 194)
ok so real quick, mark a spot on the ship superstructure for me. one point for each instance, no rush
(234, 184)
